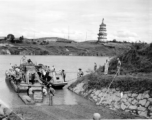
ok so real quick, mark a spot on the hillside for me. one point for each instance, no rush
(56, 46)
(137, 59)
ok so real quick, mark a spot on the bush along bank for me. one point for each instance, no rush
(134, 97)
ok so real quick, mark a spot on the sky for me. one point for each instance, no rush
(126, 20)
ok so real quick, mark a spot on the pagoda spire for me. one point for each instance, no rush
(103, 21)
(102, 36)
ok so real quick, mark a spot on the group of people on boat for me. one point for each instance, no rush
(15, 73)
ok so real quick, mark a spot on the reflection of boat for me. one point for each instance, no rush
(57, 80)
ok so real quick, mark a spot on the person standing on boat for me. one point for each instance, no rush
(80, 73)
(32, 78)
(63, 75)
(106, 67)
(53, 69)
(23, 59)
(43, 74)
(118, 66)
(95, 67)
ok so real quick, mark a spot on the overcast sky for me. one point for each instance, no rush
(129, 20)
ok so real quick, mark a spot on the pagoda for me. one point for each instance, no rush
(102, 36)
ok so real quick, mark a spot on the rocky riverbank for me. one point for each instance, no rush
(138, 103)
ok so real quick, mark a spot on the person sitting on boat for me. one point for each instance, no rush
(80, 73)
(63, 75)
(49, 70)
(18, 77)
(29, 62)
(30, 91)
(44, 90)
(12, 74)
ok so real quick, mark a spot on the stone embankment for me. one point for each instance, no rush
(136, 103)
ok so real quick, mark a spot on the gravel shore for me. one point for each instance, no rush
(72, 112)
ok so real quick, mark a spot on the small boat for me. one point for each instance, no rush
(57, 80)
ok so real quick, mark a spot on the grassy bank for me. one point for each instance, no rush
(135, 71)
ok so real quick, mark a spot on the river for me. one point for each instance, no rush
(70, 64)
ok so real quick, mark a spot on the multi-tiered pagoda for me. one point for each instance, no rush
(102, 36)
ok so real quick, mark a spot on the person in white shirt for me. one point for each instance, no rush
(118, 66)
(44, 90)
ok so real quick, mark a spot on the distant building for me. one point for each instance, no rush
(102, 36)
(2, 38)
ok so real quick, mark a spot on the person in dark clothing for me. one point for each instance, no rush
(63, 75)
(33, 78)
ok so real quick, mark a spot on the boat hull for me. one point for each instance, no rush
(21, 88)
(59, 85)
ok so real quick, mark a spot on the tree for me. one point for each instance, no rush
(21, 39)
(11, 38)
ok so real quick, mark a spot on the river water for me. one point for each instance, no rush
(70, 64)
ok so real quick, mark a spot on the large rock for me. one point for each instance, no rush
(101, 94)
(129, 94)
(134, 95)
(117, 105)
(142, 102)
(125, 96)
(130, 100)
(143, 113)
(150, 108)
(150, 99)
(140, 108)
(123, 106)
(147, 104)
(139, 97)
(97, 92)
(134, 102)
(94, 98)
(132, 107)
(146, 94)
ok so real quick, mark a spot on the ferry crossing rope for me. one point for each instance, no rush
(108, 88)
